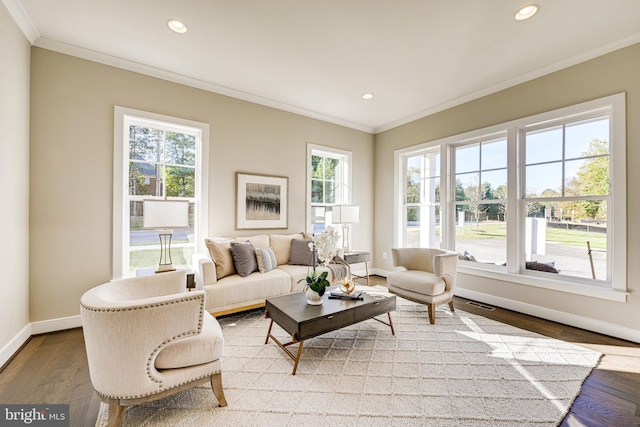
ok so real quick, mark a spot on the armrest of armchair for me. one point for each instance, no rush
(445, 265)
(204, 269)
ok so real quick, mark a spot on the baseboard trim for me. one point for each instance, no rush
(53, 325)
(581, 322)
(12, 347)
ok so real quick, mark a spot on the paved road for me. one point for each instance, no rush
(150, 237)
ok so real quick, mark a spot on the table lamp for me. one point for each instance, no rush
(345, 215)
(164, 216)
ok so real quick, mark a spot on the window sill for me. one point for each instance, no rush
(548, 283)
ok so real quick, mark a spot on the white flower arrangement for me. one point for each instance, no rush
(325, 245)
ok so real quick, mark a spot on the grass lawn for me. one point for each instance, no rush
(145, 258)
(498, 230)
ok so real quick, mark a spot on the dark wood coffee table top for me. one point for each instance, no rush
(303, 321)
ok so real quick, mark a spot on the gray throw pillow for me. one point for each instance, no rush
(300, 253)
(244, 258)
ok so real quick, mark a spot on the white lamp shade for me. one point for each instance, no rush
(165, 214)
(345, 214)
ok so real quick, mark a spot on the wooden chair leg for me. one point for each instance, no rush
(432, 313)
(116, 413)
(216, 385)
(451, 306)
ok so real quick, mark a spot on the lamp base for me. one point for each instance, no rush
(163, 268)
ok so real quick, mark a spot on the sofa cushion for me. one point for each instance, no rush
(205, 347)
(266, 259)
(300, 272)
(258, 241)
(244, 258)
(281, 244)
(300, 253)
(220, 252)
(236, 291)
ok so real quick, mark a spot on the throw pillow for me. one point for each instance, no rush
(281, 245)
(300, 253)
(541, 266)
(266, 259)
(220, 253)
(244, 258)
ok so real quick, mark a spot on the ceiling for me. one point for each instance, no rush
(317, 58)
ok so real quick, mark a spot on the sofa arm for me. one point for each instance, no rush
(204, 269)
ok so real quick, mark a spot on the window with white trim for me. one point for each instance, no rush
(541, 199)
(328, 184)
(421, 210)
(156, 158)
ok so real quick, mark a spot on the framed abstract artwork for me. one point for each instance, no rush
(261, 201)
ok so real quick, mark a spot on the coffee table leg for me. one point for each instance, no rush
(269, 331)
(297, 359)
(393, 332)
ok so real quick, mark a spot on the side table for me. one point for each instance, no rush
(191, 283)
(355, 257)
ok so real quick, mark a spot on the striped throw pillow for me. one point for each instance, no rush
(266, 259)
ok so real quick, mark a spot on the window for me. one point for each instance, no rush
(329, 183)
(157, 158)
(421, 209)
(532, 199)
(480, 200)
(566, 177)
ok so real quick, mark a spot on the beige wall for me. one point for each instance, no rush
(72, 166)
(14, 175)
(606, 75)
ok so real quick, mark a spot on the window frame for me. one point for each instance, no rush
(122, 117)
(345, 191)
(615, 287)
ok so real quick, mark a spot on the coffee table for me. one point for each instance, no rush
(303, 321)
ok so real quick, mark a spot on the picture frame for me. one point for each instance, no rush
(262, 201)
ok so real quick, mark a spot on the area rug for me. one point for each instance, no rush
(466, 370)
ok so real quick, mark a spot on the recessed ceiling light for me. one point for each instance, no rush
(527, 12)
(176, 26)
(367, 96)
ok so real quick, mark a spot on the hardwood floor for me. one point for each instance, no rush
(52, 368)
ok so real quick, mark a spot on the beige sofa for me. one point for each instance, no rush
(228, 292)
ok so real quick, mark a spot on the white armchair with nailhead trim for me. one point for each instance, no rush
(147, 338)
(427, 276)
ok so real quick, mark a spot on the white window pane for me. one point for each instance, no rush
(467, 186)
(468, 158)
(431, 165)
(562, 240)
(145, 144)
(494, 184)
(481, 233)
(543, 146)
(587, 177)
(544, 180)
(180, 149)
(145, 179)
(579, 137)
(494, 154)
(422, 228)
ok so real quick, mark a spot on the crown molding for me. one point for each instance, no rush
(523, 78)
(147, 70)
(19, 15)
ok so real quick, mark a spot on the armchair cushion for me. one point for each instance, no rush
(417, 281)
(193, 350)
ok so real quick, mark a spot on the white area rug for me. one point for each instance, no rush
(465, 370)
